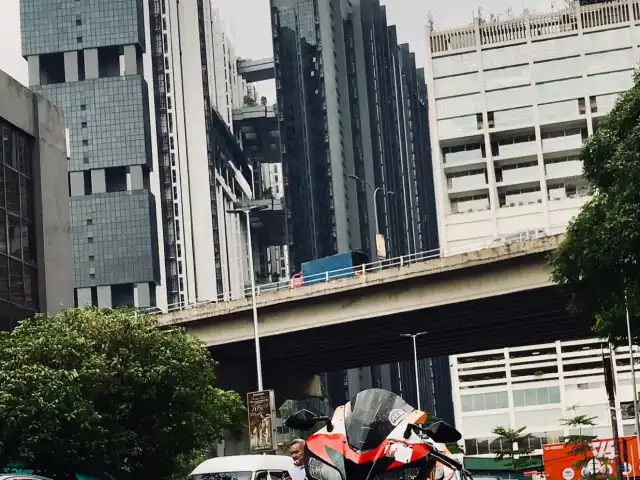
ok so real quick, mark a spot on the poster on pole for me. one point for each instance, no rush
(381, 247)
(261, 408)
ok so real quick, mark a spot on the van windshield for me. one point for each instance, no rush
(222, 476)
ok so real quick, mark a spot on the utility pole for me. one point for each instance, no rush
(611, 393)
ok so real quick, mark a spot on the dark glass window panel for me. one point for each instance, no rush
(28, 242)
(21, 142)
(5, 316)
(4, 277)
(1, 185)
(12, 189)
(31, 287)
(26, 198)
(16, 282)
(28, 158)
(15, 237)
(7, 144)
(3, 231)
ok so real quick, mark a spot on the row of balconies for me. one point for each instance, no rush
(515, 149)
(476, 180)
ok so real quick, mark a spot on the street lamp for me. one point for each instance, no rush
(413, 337)
(633, 374)
(256, 333)
(375, 193)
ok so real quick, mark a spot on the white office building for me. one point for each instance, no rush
(195, 76)
(536, 387)
(510, 105)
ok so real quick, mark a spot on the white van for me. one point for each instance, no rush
(244, 467)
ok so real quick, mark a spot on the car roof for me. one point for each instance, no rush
(244, 463)
(10, 476)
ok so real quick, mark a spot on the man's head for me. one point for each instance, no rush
(297, 451)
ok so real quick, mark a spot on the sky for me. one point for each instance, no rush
(249, 24)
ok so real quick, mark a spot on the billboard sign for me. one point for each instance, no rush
(261, 409)
(561, 462)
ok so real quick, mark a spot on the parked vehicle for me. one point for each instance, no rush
(341, 265)
(20, 476)
(243, 467)
(377, 432)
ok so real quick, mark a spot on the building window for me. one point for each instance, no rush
(536, 396)
(484, 401)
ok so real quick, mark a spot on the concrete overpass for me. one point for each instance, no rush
(474, 301)
(257, 70)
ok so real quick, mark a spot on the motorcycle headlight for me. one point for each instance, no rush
(321, 471)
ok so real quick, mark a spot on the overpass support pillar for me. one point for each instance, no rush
(287, 384)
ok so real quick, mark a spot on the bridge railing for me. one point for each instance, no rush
(298, 283)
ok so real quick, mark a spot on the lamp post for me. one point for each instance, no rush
(633, 373)
(256, 332)
(413, 337)
(375, 193)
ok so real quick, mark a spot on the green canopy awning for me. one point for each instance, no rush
(490, 464)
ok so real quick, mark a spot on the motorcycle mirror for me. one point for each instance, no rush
(442, 432)
(301, 420)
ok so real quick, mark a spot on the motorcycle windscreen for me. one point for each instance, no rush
(372, 416)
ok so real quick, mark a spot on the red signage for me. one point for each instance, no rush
(562, 463)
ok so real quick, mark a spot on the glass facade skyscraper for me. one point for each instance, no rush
(352, 104)
(87, 57)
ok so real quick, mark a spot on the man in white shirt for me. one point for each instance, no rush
(297, 455)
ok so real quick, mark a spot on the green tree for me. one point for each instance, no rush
(597, 262)
(580, 442)
(263, 101)
(249, 101)
(98, 391)
(515, 446)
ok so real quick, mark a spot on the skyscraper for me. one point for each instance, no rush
(204, 172)
(147, 88)
(353, 126)
(87, 57)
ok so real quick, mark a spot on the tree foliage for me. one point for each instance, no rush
(97, 390)
(580, 442)
(515, 446)
(598, 260)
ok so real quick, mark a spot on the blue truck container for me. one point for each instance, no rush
(334, 267)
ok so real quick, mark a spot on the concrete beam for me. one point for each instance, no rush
(257, 70)
(312, 306)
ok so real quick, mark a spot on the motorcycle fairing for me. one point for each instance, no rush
(394, 451)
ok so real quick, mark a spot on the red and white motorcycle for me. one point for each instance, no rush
(375, 433)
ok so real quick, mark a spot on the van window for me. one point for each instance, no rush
(262, 475)
(222, 476)
(276, 474)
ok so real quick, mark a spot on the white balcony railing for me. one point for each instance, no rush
(568, 169)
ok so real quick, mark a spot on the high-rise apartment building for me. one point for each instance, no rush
(536, 387)
(510, 105)
(148, 88)
(204, 173)
(87, 58)
(351, 104)
(36, 273)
